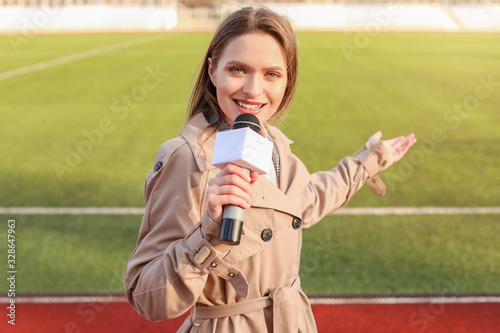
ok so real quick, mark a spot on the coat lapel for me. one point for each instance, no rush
(294, 177)
(267, 195)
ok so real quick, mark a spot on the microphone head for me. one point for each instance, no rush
(247, 120)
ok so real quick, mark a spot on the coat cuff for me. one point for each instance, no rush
(204, 257)
(375, 157)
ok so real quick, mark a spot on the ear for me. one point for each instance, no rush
(211, 71)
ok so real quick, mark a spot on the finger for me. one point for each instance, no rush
(397, 141)
(411, 137)
(408, 141)
(403, 146)
(231, 190)
(215, 212)
(216, 205)
(228, 195)
(254, 175)
(236, 170)
(377, 135)
(231, 180)
(230, 184)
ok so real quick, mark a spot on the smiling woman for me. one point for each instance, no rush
(250, 77)
(270, 47)
(180, 262)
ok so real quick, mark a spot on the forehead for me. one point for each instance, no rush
(256, 49)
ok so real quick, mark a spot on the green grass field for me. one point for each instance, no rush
(86, 133)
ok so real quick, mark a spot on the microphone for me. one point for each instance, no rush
(245, 147)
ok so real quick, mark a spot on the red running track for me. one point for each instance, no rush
(347, 318)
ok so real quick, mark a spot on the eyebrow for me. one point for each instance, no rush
(242, 64)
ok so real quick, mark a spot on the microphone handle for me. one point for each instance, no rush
(232, 222)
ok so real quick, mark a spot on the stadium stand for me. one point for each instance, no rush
(422, 17)
(160, 15)
(87, 18)
(472, 17)
(320, 16)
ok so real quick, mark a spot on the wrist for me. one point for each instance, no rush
(210, 230)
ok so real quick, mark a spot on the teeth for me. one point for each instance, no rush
(249, 106)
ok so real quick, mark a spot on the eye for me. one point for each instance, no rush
(273, 75)
(236, 70)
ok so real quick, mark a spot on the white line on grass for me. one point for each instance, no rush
(419, 210)
(72, 210)
(78, 56)
(343, 211)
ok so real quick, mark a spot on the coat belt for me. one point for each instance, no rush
(284, 300)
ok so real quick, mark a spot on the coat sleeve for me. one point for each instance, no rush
(168, 269)
(330, 190)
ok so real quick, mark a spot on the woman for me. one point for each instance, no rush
(179, 262)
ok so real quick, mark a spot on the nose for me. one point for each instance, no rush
(252, 86)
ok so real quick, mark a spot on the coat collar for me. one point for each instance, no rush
(294, 176)
(201, 140)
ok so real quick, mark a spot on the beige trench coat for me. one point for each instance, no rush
(255, 286)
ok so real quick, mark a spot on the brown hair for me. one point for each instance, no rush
(244, 21)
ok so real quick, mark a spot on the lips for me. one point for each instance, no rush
(248, 106)
(252, 107)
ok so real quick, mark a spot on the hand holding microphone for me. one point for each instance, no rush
(237, 153)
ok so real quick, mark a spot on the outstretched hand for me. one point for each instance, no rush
(397, 146)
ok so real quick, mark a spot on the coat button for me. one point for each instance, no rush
(231, 274)
(158, 165)
(266, 235)
(296, 223)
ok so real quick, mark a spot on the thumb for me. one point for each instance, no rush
(377, 135)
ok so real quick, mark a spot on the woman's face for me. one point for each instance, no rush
(250, 77)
